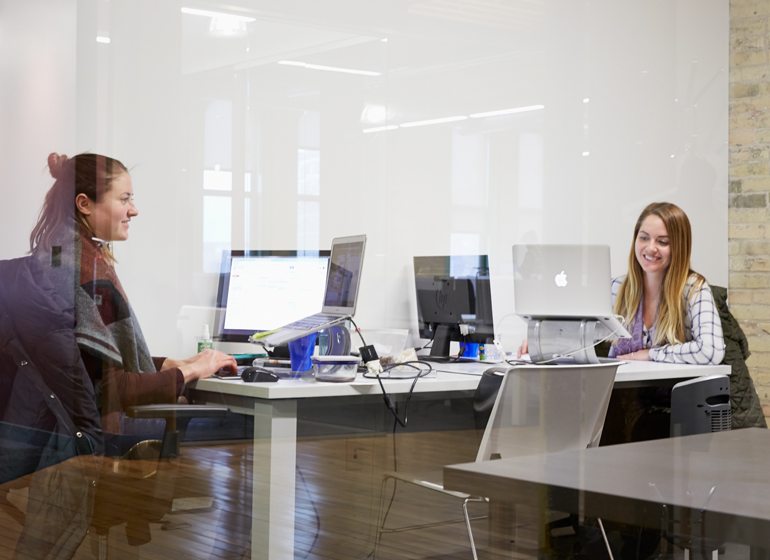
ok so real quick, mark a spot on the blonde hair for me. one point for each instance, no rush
(670, 320)
(89, 174)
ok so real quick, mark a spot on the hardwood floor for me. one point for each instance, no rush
(205, 503)
(337, 495)
(208, 512)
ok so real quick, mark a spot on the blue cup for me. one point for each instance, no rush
(469, 349)
(301, 352)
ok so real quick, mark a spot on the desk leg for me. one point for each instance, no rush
(275, 457)
(516, 529)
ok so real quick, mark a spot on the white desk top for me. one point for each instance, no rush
(459, 376)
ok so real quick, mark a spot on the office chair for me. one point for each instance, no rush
(701, 405)
(137, 488)
(484, 398)
(51, 439)
(102, 492)
(698, 406)
(538, 409)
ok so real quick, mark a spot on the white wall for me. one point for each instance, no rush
(37, 108)
(634, 97)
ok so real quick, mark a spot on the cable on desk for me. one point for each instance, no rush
(421, 370)
(391, 406)
(358, 331)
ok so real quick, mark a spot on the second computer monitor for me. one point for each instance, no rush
(453, 295)
(264, 290)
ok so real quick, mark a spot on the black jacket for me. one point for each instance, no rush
(48, 410)
(746, 407)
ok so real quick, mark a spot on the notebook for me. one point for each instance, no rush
(343, 277)
(565, 282)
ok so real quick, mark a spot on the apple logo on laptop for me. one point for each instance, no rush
(560, 279)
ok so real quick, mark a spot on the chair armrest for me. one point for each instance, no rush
(177, 411)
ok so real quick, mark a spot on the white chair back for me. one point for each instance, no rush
(544, 409)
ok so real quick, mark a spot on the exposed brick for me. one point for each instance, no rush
(737, 297)
(761, 345)
(760, 247)
(754, 184)
(749, 73)
(748, 136)
(747, 231)
(756, 200)
(748, 215)
(749, 113)
(749, 264)
(740, 9)
(747, 154)
(752, 168)
(749, 280)
(751, 311)
(744, 90)
(761, 297)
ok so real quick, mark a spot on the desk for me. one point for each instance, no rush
(720, 480)
(274, 407)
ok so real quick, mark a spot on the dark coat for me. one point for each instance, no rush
(746, 407)
(48, 410)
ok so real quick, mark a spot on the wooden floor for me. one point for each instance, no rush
(339, 482)
(338, 491)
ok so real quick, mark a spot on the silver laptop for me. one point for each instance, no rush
(343, 277)
(565, 282)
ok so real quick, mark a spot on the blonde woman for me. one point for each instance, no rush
(668, 307)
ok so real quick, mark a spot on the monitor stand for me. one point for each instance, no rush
(563, 340)
(441, 339)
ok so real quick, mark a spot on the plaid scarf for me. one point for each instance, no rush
(106, 325)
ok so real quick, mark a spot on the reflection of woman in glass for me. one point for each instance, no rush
(668, 308)
(90, 205)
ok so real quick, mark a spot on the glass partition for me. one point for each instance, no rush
(433, 127)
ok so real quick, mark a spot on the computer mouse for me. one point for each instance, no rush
(258, 375)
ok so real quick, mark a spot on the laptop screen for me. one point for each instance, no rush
(344, 274)
(263, 290)
(562, 280)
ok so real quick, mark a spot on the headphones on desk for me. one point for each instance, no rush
(258, 375)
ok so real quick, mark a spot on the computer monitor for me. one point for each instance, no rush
(263, 290)
(453, 291)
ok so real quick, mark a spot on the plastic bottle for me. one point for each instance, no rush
(205, 341)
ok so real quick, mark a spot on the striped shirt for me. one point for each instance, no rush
(703, 330)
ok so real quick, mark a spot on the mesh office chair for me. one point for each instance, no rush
(701, 405)
(698, 406)
(538, 409)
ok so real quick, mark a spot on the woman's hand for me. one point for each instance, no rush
(639, 355)
(205, 364)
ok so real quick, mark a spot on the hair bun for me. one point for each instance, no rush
(56, 164)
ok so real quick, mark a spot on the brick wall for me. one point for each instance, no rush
(749, 168)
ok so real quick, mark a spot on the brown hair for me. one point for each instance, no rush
(669, 324)
(88, 174)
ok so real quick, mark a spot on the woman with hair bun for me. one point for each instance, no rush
(90, 206)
